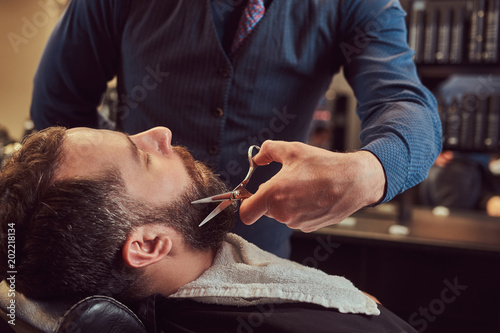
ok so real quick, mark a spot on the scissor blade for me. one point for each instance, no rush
(223, 205)
(215, 198)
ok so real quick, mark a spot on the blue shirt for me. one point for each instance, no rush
(173, 70)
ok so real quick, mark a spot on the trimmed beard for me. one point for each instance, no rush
(185, 217)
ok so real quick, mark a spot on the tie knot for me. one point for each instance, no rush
(252, 14)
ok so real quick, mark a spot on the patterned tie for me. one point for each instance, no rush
(252, 14)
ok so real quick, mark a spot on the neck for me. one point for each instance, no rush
(182, 267)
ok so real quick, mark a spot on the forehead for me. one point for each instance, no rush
(87, 151)
(84, 139)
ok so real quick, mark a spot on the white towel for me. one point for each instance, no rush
(243, 274)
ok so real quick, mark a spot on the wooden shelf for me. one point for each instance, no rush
(443, 71)
(461, 230)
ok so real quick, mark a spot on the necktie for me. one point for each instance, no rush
(252, 14)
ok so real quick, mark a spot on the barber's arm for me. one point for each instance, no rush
(400, 134)
(79, 58)
(399, 119)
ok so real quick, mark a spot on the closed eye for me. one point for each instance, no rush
(147, 157)
(136, 151)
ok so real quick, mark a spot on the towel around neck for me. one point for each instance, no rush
(242, 275)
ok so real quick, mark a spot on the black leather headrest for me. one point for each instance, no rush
(100, 314)
(93, 314)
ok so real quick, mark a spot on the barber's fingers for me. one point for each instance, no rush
(277, 151)
(254, 208)
(272, 192)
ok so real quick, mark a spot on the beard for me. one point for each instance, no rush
(185, 217)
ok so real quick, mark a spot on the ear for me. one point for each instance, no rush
(147, 245)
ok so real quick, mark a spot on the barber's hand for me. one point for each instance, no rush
(315, 187)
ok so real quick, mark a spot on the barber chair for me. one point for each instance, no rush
(93, 314)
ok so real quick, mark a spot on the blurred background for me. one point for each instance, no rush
(25, 27)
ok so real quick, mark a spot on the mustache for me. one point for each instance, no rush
(187, 158)
(200, 173)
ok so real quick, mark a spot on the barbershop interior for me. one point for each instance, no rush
(430, 254)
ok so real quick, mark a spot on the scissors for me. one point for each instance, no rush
(239, 192)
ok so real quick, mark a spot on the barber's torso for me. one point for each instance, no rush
(175, 73)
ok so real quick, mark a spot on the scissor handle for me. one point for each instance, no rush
(252, 167)
(250, 154)
(241, 193)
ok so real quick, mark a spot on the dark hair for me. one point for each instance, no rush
(75, 240)
(69, 233)
(49, 219)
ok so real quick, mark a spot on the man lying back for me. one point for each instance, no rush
(101, 212)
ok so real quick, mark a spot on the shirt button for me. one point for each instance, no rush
(224, 72)
(218, 112)
(213, 150)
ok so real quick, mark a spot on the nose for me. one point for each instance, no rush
(156, 139)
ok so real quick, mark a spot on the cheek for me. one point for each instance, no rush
(173, 183)
(165, 186)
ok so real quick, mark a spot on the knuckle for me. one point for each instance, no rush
(295, 150)
(278, 199)
(266, 145)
